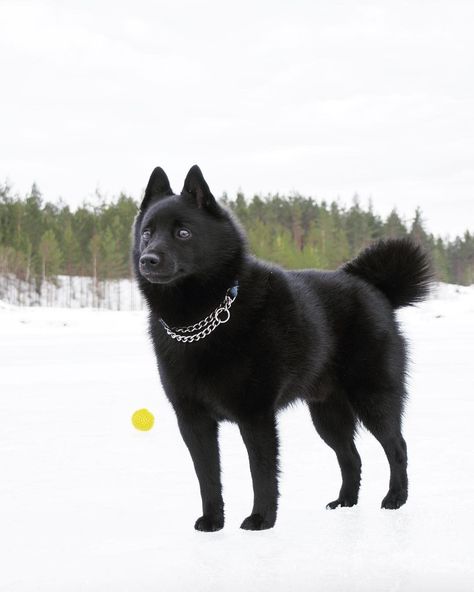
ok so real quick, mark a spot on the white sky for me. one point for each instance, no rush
(324, 98)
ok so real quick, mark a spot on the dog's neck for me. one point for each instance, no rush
(190, 299)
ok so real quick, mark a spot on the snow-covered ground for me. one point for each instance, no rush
(87, 503)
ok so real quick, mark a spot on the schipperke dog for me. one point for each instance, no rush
(238, 339)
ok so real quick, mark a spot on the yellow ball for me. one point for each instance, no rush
(143, 420)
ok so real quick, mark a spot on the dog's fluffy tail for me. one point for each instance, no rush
(399, 268)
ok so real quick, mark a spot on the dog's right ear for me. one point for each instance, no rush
(157, 188)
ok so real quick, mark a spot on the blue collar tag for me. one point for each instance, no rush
(234, 290)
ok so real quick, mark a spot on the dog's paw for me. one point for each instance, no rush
(345, 501)
(209, 523)
(394, 499)
(258, 522)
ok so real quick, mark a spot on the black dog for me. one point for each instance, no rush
(237, 339)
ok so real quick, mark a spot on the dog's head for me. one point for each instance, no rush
(178, 236)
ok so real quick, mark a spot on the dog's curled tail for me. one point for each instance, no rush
(399, 268)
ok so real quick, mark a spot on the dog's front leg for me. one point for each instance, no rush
(200, 433)
(261, 439)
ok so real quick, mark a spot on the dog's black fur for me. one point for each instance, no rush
(327, 337)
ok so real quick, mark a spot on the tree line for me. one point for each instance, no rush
(40, 240)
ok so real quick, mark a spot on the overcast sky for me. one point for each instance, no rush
(322, 98)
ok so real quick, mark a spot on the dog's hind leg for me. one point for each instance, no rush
(335, 422)
(381, 415)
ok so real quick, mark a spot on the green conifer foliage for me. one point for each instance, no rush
(40, 239)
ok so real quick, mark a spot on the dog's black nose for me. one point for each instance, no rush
(150, 261)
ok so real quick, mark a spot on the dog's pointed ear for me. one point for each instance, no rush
(158, 187)
(196, 186)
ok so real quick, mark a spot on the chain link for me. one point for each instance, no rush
(203, 328)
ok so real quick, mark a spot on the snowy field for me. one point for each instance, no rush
(90, 504)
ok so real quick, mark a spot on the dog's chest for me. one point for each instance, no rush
(218, 379)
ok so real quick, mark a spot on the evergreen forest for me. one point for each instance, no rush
(40, 240)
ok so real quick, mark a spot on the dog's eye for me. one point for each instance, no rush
(146, 235)
(183, 233)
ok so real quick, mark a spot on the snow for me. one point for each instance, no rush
(90, 504)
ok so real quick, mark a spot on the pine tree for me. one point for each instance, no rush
(94, 247)
(50, 254)
(394, 227)
(417, 231)
(357, 227)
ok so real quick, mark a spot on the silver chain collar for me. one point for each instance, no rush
(203, 328)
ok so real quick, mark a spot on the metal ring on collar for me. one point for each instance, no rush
(220, 311)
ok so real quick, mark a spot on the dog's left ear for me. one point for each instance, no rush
(157, 188)
(196, 186)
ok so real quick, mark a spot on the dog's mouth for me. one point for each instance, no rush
(159, 277)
